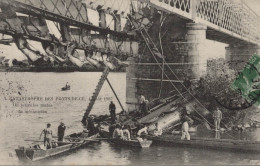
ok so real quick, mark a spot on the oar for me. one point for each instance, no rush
(33, 140)
(55, 141)
(88, 139)
(84, 139)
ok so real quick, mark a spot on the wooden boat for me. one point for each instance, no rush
(65, 88)
(197, 142)
(132, 143)
(39, 152)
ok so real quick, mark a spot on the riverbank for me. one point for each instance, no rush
(52, 69)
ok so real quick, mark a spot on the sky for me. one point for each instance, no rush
(12, 52)
(254, 5)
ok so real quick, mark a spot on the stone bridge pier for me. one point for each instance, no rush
(238, 56)
(184, 52)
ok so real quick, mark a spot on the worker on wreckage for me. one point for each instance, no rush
(157, 131)
(217, 116)
(143, 106)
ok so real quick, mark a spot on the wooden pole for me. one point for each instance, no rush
(115, 94)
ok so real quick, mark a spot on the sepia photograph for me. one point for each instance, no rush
(129, 82)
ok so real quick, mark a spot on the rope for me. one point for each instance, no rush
(193, 97)
(163, 59)
(175, 76)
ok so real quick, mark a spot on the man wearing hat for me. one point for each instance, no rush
(61, 131)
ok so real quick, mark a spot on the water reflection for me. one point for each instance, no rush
(186, 157)
(217, 134)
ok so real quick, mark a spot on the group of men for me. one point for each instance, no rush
(125, 132)
(187, 122)
(48, 135)
(185, 119)
(122, 132)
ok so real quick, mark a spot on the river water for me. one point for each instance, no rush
(31, 100)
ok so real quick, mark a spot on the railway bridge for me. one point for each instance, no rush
(174, 31)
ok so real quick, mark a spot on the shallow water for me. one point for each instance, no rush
(17, 125)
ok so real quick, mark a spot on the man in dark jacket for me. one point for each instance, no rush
(91, 126)
(61, 131)
(112, 109)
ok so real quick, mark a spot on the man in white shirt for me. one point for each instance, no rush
(118, 133)
(126, 133)
(217, 116)
(47, 136)
(142, 131)
(157, 131)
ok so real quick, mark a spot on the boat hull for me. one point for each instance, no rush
(210, 143)
(64, 88)
(26, 154)
(132, 143)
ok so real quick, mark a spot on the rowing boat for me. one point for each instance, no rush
(212, 143)
(39, 152)
(132, 143)
(65, 88)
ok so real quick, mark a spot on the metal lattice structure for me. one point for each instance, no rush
(232, 17)
(229, 21)
(71, 12)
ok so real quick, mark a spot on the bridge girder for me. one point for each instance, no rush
(230, 17)
(23, 7)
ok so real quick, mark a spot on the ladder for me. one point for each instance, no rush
(95, 94)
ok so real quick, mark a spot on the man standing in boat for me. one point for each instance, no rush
(118, 132)
(61, 131)
(112, 110)
(187, 121)
(217, 116)
(126, 133)
(67, 85)
(47, 136)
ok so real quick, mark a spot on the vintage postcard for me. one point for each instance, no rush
(129, 82)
